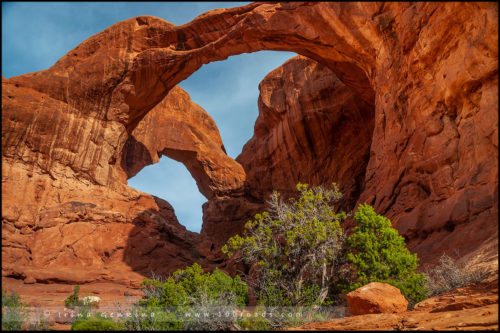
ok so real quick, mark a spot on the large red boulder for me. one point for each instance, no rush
(376, 297)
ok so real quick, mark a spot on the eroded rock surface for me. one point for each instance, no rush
(60, 226)
(182, 130)
(311, 128)
(458, 309)
(428, 70)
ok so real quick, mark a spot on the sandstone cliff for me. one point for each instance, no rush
(311, 128)
(407, 122)
(58, 225)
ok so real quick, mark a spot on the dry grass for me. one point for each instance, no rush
(448, 274)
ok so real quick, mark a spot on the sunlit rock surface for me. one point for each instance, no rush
(470, 308)
(418, 132)
(376, 297)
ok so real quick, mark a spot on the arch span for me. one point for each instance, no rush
(120, 74)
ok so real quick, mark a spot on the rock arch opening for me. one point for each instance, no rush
(171, 181)
(228, 91)
(319, 129)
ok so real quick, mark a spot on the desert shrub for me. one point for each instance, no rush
(254, 322)
(448, 274)
(97, 322)
(295, 247)
(38, 323)
(73, 300)
(377, 252)
(16, 316)
(14, 312)
(189, 299)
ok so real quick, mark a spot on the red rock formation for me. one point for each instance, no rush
(433, 161)
(376, 297)
(182, 130)
(428, 69)
(305, 132)
(60, 226)
(311, 128)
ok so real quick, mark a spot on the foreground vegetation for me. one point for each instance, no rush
(16, 315)
(301, 262)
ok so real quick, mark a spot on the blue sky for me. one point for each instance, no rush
(36, 34)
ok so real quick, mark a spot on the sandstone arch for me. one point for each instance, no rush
(131, 66)
(433, 160)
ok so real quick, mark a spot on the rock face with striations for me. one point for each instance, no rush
(60, 226)
(412, 100)
(305, 132)
(311, 128)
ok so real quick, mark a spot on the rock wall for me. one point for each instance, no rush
(71, 134)
(311, 128)
(60, 226)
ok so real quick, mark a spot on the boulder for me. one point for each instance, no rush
(376, 297)
(90, 300)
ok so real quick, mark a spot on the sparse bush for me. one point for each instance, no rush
(294, 246)
(448, 274)
(38, 323)
(377, 252)
(16, 316)
(73, 300)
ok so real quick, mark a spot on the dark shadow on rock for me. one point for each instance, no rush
(159, 244)
(135, 156)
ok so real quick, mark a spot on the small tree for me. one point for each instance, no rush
(378, 253)
(294, 246)
(73, 300)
